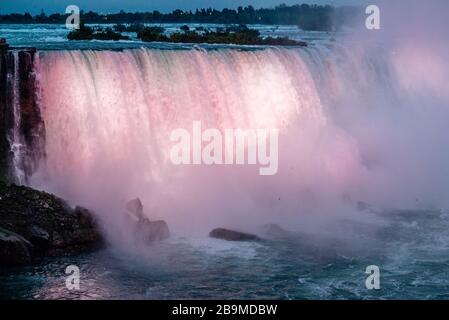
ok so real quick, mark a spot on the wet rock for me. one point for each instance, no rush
(14, 249)
(146, 231)
(46, 222)
(39, 238)
(135, 207)
(57, 241)
(85, 236)
(231, 235)
(85, 217)
(152, 231)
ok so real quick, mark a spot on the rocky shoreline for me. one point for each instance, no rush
(36, 224)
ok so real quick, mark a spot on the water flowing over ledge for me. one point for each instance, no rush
(21, 126)
(355, 126)
(341, 112)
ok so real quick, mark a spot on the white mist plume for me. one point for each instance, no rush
(403, 123)
(364, 120)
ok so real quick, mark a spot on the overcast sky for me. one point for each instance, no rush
(51, 6)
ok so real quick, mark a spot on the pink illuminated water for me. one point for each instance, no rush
(350, 130)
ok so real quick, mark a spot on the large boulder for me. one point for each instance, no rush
(135, 208)
(151, 231)
(146, 231)
(45, 222)
(231, 235)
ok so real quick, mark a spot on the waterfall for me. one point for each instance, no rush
(350, 130)
(21, 126)
(15, 137)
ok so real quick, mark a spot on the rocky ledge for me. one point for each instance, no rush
(36, 224)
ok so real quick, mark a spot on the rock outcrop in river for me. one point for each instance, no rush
(146, 230)
(231, 235)
(36, 224)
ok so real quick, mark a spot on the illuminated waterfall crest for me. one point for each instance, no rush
(341, 115)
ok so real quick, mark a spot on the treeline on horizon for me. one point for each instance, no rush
(307, 17)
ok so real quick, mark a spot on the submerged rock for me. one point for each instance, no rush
(36, 223)
(273, 229)
(231, 235)
(365, 207)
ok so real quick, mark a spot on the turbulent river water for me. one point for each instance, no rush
(411, 249)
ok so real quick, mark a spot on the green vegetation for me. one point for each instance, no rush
(88, 33)
(150, 34)
(240, 35)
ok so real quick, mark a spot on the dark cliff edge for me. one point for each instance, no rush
(5, 68)
(18, 91)
(33, 223)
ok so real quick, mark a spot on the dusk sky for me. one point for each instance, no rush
(51, 6)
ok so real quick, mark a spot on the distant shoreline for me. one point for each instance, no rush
(306, 17)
